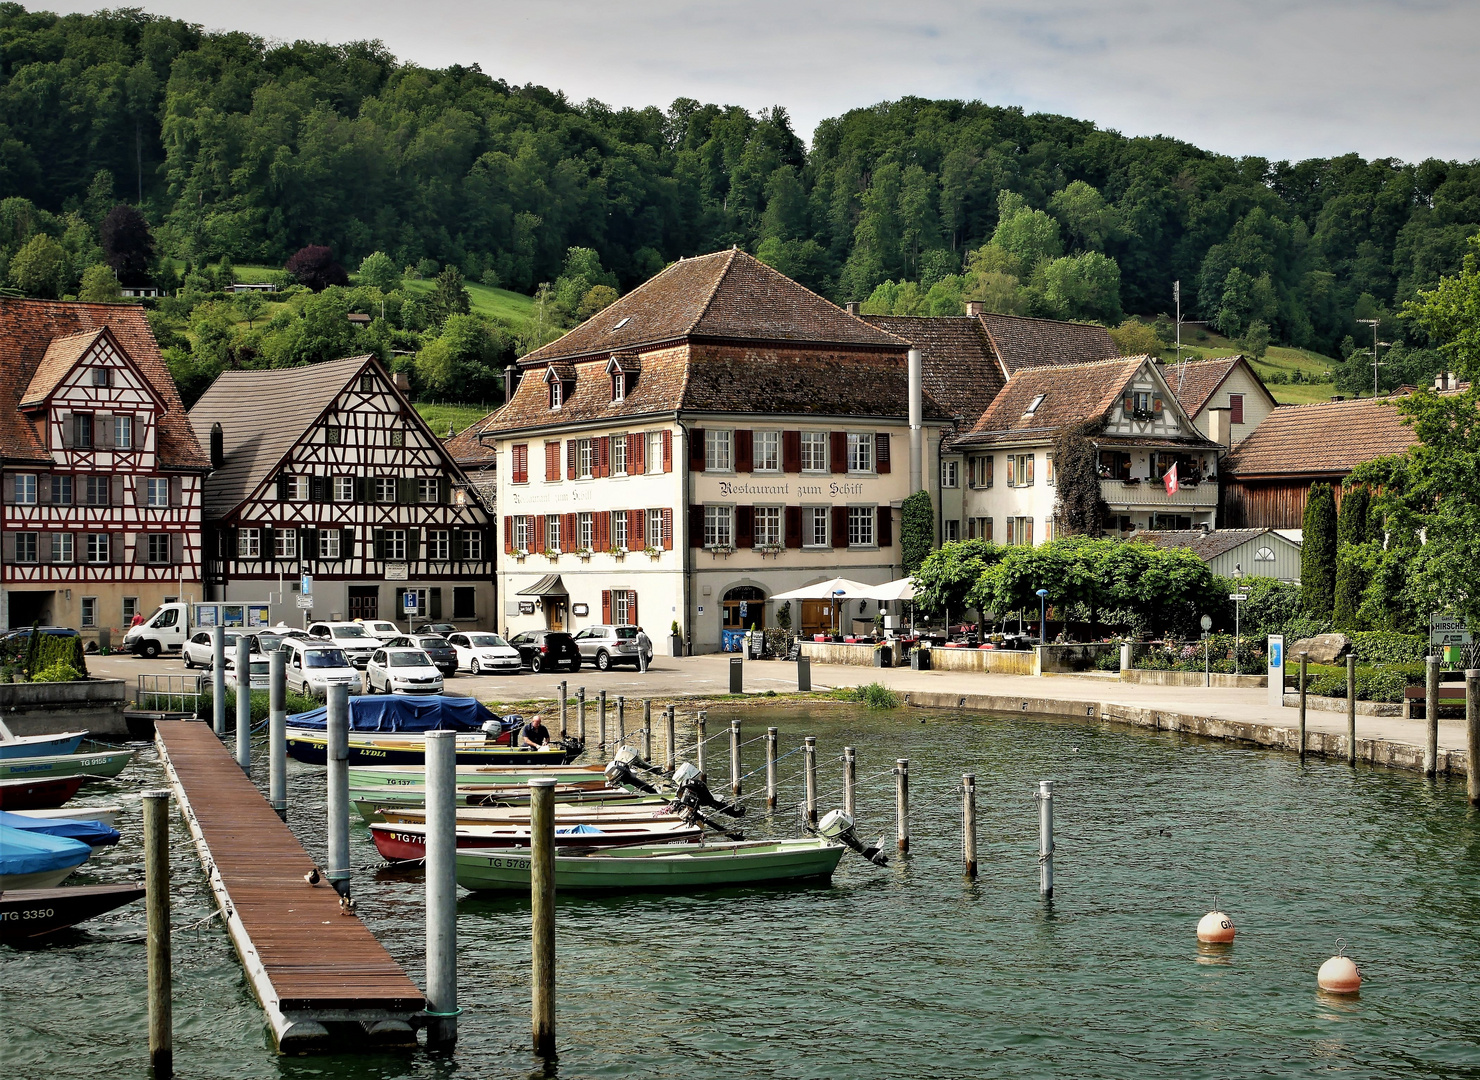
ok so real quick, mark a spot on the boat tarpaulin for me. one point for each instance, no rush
(92, 833)
(392, 712)
(580, 830)
(24, 852)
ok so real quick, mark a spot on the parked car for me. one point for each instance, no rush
(257, 677)
(381, 628)
(272, 637)
(443, 655)
(314, 666)
(480, 652)
(402, 671)
(606, 645)
(23, 635)
(197, 650)
(547, 650)
(352, 637)
(441, 629)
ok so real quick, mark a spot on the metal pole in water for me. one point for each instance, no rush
(770, 768)
(699, 742)
(157, 916)
(601, 710)
(810, 744)
(218, 681)
(1351, 709)
(968, 823)
(1304, 658)
(1045, 839)
(902, 803)
(647, 729)
(1431, 715)
(670, 754)
(277, 732)
(1472, 734)
(734, 757)
(581, 712)
(621, 721)
(338, 797)
(563, 710)
(850, 781)
(542, 913)
(243, 703)
(441, 885)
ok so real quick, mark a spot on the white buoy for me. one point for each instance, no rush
(1339, 975)
(1215, 928)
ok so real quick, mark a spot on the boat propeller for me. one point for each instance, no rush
(839, 826)
(690, 781)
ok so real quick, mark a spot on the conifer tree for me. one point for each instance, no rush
(1318, 552)
(1351, 578)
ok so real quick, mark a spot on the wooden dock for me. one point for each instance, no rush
(322, 977)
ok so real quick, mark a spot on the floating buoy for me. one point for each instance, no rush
(1215, 927)
(1339, 975)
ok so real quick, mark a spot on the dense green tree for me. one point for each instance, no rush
(1084, 286)
(315, 267)
(378, 270)
(1318, 552)
(1028, 234)
(916, 530)
(449, 296)
(128, 245)
(99, 285)
(465, 361)
(40, 268)
(1351, 560)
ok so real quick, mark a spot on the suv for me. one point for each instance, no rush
(546, 650)
(606, 645)
(381, 628)
(314, 666)
(349, 636)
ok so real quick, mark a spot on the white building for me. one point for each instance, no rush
(1225, 397)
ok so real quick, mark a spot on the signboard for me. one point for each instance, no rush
(409, 603)
(396, 571)
(307, 587)
(1237, 596)
(580, 609)
(1207, 622)
(1448, 630)
(526, 607)
(1276, 653)
(305, 603)
(257, 615)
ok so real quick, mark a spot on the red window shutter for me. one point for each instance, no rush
(636, 534)
(569, 537)
(667, 516)
(606, 605)
(636, 466)
(696, 450)
(632, 607)
(884, 532)
(1156, 405)
(793, 526)
(839, 526)
(881, 452)
(791, 451)
(519, 458)
(1128, 404)
(1235, 408)
(838, 445)
(696, 526)
(604, 531)
(604, 456)
(744, 526)
(667, 451)
(571, 453)
(508, 535)
(744, 450)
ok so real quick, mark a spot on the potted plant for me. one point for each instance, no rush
(675, 640)
(652, 553)
(617, 553)
(783, 615)
(552, 554)
(883, 655)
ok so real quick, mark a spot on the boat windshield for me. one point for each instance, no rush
(487, 641)
(324, 658)
(410, 659)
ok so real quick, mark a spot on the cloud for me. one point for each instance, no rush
(1384, 78)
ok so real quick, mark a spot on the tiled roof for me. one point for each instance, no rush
(1206, 545)
(61, 357)
(961, 370)
(728, 295)
(467, 449)
(1195, 383)
(1328, 437)
(28, 329)
(1022, 342)
(1072, 394)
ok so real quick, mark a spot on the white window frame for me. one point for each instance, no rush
(862, 525)
(768, 522)
(393, 547)
(552, 532)
(950, 474)
(557, 394)
(329, 540)
(951, 530)
(766, 452)
(653, 529)
(860, 452)
(428, 485)
(719, 525)
(123, 432)
(719, 450)
(249, 543)
(585, 530)
(25, 489)
(619, 454)
(130, 608)
(298, 487)
(89, 611)
(619, 531)
(653, 458)
(285, 543)
(815, 449)
(810, 528)
(153, 543)
(63, 547)
(99, 549)
(585, 459)
(522, 528)
(382, 485)
(439, 545)
(472, 546)
(157, 492)
(622, 606)
(344, 489)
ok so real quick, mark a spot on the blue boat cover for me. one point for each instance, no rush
(579, 830)
(92, 833)
(24, 852)
(393, 712)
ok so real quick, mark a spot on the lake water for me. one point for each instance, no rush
(906, 971)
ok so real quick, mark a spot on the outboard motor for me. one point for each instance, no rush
(690, 782)
(839, 826)
(617, 773)
(633, 760)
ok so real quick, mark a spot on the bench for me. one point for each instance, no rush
(1414, 696)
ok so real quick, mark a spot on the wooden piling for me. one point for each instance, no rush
(581, 712)
(968, 824)
(563, 707)
(601, 713)
(647, 730)
(735, 757)
(699, 742)
(1472, 734)
(1045, 839)
(810, 745)
(244, 703)
(1304, 658)
(850, 782)
(1431, 715)
(157, 917)
(770, 768)
(902, 804)
(1351, 709)
(542, 914)
(670, 751)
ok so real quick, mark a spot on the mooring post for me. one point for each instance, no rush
(1304, 659)
(621, 722)
(338, 796)
(810, 745)
(542, 913)
(601, 711)
(647, 730)
(902, 804)
(581, 712)
(1351, 709)
(1431, 715)
(850, 782)
(770, 768)
(277, 732)
(1045, 839)
(563, 711)
(441, 886)
(734, 757)
(968, 823)
(1472, 734)
(218, 680)
(157, 917)
(670, 752)
(699, 742)
(244, 703)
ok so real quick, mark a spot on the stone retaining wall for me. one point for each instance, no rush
(39, 708)
(996, 661)
(1314, 703)
(1194, 678)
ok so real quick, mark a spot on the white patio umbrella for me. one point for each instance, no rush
(900, 589)
(841, 588)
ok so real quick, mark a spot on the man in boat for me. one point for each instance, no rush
(534, 735)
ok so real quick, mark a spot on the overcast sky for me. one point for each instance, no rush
(1282, 79)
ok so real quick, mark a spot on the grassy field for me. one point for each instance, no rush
(1278, 362)
(496, 303)
(249, 275)
(439, 415)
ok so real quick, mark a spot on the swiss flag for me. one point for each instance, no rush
(1170, 479)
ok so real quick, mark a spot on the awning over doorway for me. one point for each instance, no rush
(549, 585)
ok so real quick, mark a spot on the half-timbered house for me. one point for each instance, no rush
(101, 471)
(328, 472)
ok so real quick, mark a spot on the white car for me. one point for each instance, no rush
(197, 650)
(484, 652)
(381, 628)
(402, 671)
(314, 666)
(352, 637)
(259, 675)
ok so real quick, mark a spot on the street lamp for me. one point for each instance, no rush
(1238, 573)
(1042, 613)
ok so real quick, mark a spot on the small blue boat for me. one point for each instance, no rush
(91, 833)
(31, 860)
(25, 746)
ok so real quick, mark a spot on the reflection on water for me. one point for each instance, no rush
(908, 971)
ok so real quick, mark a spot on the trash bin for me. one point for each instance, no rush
(883, 656)
(737, 674)
(920, 660)
(804, 673)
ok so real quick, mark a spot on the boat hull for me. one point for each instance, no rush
(38, 794)
(108, 815)
(369, 802)
(487, 775)
(647, 868)
(102, 763)
(406, 842)
(29, 915)
(40, 879)
(597, 814)
(27, 746)
(311, 748)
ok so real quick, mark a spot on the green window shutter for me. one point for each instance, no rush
(379, 544)
(309, 544)
(434, 603)
(413, 545)
(267, 544)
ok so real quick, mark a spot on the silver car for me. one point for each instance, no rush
(605, 645)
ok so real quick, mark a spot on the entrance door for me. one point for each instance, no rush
(364, 601)
(554, 613)
(30, 607)
(817, 617)
(744, 607)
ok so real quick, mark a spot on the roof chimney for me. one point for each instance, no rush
(218, 446)
(851, 307)
(510, 382)
(1218, 425)
(1444, 380)
(973, 308)
(403, 384)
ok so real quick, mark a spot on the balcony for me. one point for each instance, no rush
(1153, 494)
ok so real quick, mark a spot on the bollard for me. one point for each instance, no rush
(902, 804)
(1045, 839)
(337, 754)
(542, 913)
(244, 703)
(218, 681)
(601, 711)
(968, 824)
(1472, 734)
(581, 712)
(737, 675)
(734, 757)
(1351, 709)
(621, 721)
(441, 888)
(1304, 658)
(670, 752)
(810, 743)
(564, 727)
(277, 732)
(647, 729)
(157, 916)
(770, 768)
(1431, 716)
(804, 673)
(699, 742)
(850, 782)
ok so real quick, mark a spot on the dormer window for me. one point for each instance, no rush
(619, 386)
(1033, 405)
(557, 393)
(560, 381)
(622, 368)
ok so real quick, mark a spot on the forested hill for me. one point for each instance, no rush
(238, 148)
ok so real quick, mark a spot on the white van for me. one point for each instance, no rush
(171, 624)
(314, 666)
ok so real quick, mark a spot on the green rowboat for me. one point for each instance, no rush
(370, 801)
(657, 867)
(100, 763)
(366, 776)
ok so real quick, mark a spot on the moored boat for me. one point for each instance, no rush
(27, 915)
(41, 793)
(92, 833)
(89, 763)
(402, 842)
(24, 746)
(31, 860)
(311, 748)
(596, 814)
(401, 776)
(370, 802)
(108, 815)
(667, 868)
